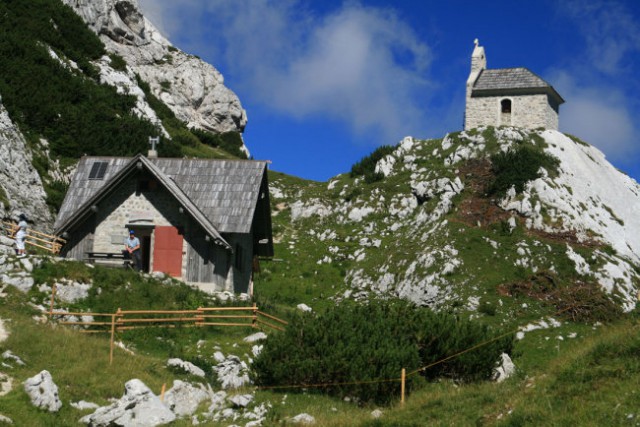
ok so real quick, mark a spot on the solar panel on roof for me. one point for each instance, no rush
(98, 170)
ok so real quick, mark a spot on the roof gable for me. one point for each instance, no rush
(223, 193)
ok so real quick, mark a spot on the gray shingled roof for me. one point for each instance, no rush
(512, 79)
(224, 191)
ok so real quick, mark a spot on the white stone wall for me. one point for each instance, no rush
(114, 213)
(527, 111)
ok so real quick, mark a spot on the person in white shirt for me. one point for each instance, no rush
(21, 236)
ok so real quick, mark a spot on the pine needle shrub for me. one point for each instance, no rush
(367, 165)
(518, 166)
(359, 350)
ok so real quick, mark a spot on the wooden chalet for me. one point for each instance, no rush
(202, 221)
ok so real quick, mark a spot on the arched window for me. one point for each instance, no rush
(505, 106)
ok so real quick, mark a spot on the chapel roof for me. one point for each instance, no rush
(512, 80)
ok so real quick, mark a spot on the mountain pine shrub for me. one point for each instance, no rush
(353, 348)
(518, 166)
(367, 165)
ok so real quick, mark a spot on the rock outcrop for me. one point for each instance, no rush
(21, 189)
(43, 392)
(193, 89)
(139, 406)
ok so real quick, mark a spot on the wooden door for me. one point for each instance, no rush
(167, 250)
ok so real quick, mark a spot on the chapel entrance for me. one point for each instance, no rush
(167, 250)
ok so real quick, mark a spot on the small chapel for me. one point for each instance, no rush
(508, 97)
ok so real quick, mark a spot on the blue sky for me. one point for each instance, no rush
(324, 82)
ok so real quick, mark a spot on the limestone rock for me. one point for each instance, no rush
(70, 291)
(184, 398)
(505, 368)
(82, 405)
(241, 400)
(186, 366)
(21, 281)
(5, 420)
(19, 181)
(232, 373)
(191, 88)
(303, 419)
(6, 384)
(137, 407)
(8, 355)
(258, 336)
(304, 307)
(43, 392)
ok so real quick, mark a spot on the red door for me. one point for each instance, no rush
(167, 251)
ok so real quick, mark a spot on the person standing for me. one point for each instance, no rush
(132, 245)
(21, 236)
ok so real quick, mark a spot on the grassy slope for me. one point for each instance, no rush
(574, 374)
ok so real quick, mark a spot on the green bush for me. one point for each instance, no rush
(231, 142)
(367, 165)
(117, 62)
(518, 166)
(355, 348)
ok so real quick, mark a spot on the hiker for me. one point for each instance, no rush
(21, 236)
(132, 245)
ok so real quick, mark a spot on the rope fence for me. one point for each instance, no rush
(203, 316)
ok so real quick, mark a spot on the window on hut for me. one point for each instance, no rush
(98, 169)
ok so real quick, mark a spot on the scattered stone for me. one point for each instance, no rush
(8, 355)
(6, 384)
(241, 400)
(505, 368)
(5, 420)
(304, 307)
(4, 333)
(232, 372)
(218, 401)
(82, 405)
(377, 413)
(26, 264)
(70, 291)
(255, 337)
(137, 407)
(43, 392)
(186, 366)
(184, 398)
(303, 419)
(21, 281)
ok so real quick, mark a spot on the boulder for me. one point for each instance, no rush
(43, 392)
(505, 368)
(232, 373)
(137, 407)
(184, 398)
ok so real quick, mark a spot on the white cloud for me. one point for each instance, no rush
(610, 30)
(600, 115)
(362, 66)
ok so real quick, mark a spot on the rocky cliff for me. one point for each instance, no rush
(20, 185)
(193, 89)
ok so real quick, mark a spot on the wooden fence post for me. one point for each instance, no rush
(164, 386)
(254, 321)
(402, 384)
(113, 333)
(53, 295)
